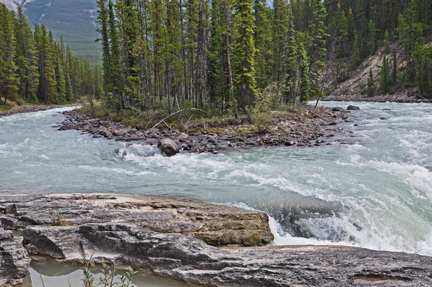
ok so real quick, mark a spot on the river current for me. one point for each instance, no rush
(376, 193)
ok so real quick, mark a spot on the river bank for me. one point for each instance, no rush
(314, 127)
(179, 256)
(27, 108)
(392, 98)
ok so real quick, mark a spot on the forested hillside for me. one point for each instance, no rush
(74, 20)
(222, 53)
(35, 68)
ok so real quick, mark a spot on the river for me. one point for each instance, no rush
(376, 193)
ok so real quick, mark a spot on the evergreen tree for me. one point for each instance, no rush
(9, 77)
(385, 75)
(245, 51)
(291, 59)
(371, 86)
(217, 56)
(102, 20)
(116, 77)
(394, 72)
(68, 87)
(264, 43)
(304, 82)
(26, 59)
(280, 24)
(316, 46)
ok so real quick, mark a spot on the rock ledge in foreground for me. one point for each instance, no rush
(14, 260)
(190, 260)
(214, 224)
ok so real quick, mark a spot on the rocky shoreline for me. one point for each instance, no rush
(322, 126)
(395, 98)
(109, 227)
(30, 109)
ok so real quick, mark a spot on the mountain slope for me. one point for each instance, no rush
(72, 19)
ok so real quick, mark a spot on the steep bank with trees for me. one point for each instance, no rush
(219, 55)
(36, 69)
(388, 53)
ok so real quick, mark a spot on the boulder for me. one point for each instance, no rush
(353, 108)
(117, 133)
(14, 260)
(187, 259)
(183, 136)
(337, 109)
(215, 224)
(66, 127)
(168, 147)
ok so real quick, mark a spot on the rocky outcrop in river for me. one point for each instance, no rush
(14, 260)
(214, 224)
(321, 126)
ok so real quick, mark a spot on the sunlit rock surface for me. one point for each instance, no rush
(214, 224)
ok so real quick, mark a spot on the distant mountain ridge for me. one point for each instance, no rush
(72, 19)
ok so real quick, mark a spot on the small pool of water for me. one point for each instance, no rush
(51, 273)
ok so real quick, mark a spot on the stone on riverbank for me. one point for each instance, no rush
(190, 260)
(168, 146)
(215, 224)
(14, 260)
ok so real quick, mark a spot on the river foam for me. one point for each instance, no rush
(375, 194)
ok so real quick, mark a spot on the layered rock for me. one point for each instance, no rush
(14, 260)
(214, 224)
(190, 260)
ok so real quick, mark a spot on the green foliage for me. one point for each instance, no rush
(56, 217)
(35, 68)
(305, 83)
(266, 100)
(385, 75)
(89, 279)
(245, 52)
(371, 86)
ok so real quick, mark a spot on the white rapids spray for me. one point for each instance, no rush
(375, 194)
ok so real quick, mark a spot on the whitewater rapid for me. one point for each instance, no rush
(376, 193)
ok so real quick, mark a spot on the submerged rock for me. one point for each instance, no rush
(353, 108)
(168, 146)
(14, 260)
(215, 224)
(187, 259)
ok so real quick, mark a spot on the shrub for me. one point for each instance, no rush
(56, 217)
(266, 100)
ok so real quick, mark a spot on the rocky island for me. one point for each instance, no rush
(314, 127)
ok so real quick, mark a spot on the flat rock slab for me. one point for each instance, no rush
(214, 224)
(190, 260)
(14, 260)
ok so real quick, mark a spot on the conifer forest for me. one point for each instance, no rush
(36, 69)
(221, 54)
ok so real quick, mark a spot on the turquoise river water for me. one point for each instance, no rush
(376, 193)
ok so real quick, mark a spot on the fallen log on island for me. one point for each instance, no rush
(122, 229)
